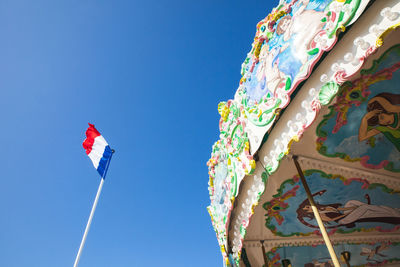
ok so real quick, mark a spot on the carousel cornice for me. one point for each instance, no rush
(274, 151)
(312, 241)
(332, 167)
(244, 124)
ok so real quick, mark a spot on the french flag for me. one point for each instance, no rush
(97, 149)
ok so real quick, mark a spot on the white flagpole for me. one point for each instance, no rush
(91, 214)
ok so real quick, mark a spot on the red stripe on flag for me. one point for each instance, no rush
(91, 134)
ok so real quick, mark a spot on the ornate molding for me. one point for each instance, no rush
(313, 241)
(371, 176)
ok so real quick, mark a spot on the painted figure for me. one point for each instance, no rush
(352, 212)
(301, 28)
(382, 117)
(372, 253)
(318, 263)
(269, 70)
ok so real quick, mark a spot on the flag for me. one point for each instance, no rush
(97, 149)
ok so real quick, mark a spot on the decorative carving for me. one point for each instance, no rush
(328, 92)
(229, 163)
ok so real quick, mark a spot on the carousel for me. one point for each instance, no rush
(306, 171)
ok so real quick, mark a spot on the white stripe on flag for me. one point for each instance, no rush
(97, 150)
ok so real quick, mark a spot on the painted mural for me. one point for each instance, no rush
(361, 254)
(353, 205)
(287, 44)
(220, 200)
(372, 104)
(229, 163)
(284, 55)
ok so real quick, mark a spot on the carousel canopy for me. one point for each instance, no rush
(320, 86)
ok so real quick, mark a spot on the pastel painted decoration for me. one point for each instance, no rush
(220, 194)
(233, 144)
(359, 207)
(328, 92)
(287, 45)
(361, 254)
(220, 197)
(364, 123)
(230, 162)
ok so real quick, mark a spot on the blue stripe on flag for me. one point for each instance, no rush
(103, 161)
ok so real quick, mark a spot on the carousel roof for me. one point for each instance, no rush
(283, 97)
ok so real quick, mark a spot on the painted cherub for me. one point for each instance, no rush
(269, 70)
(302, 27)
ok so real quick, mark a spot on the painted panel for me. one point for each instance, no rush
(229, 163)
(346, 205)
(220, 201)
(368, 254)
(287, 45)
(364, 123)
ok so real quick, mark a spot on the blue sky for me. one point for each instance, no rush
(149, 75)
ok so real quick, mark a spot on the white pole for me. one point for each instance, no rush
(92, 212)
(89, 222)
(316, 215)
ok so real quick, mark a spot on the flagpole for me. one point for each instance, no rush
(92, 212)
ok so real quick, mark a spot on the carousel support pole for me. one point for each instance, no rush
(264, 254)
(316, 214)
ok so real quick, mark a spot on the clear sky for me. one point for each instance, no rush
(149, 75)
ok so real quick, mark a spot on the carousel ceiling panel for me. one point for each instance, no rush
(346, 205)
(356, 130)
(363, 124)
(346, 197)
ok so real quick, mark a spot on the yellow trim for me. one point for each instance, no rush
(257, 49)
(278, 15)
(379, 41)
(342, 28)
(253, 164)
